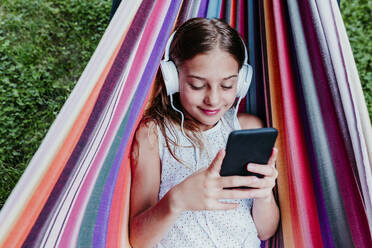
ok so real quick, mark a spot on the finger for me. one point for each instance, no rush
(217, 162)
(251, 182)
(262, 169)
(260, 193)
(237, 181)
(263, 183)
(235, 194)
(273, 156)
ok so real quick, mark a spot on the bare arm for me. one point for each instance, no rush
(150, 219)
(265, 211)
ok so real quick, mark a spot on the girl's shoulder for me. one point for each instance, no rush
(147, 130)
(248, 121)
(146, 137)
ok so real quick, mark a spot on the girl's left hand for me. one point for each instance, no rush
(262, 187)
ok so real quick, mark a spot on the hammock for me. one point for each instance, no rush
(75, 191)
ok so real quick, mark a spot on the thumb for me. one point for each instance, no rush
(215, 166)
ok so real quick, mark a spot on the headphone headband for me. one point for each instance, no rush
(166, 54)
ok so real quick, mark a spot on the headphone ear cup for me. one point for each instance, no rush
(170, 76)
(244, 80)
(241, 81)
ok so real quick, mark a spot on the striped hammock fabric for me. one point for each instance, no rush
(75, 191)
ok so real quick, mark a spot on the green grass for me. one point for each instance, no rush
(44, 47)
(357, 15)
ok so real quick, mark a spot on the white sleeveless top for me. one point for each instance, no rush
(219, 228)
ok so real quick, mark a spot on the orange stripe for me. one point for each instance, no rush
(27, 219)
(275, 95)
(119, 216)
(120, 205)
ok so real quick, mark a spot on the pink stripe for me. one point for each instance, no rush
(241, 20)
(147, 41)
(222, 12)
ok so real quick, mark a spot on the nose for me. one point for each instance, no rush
(212, 97)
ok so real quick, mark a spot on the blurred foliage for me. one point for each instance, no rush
(44, 47)
(357, 16)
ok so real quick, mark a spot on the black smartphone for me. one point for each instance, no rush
(247, 146)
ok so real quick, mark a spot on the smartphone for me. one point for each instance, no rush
(247, 146)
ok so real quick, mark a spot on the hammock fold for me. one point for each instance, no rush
(76, 190)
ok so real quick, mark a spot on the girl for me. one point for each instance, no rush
(177, 196)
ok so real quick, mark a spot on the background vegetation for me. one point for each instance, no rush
(357, 15)
(44, 47)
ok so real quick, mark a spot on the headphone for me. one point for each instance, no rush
(170, 73)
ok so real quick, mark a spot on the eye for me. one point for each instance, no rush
(226, 87)
(194, 87)
(228, 84)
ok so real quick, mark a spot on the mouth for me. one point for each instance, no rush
(210, 112)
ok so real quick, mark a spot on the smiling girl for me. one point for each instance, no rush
(178, 198)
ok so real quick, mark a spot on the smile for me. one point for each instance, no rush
(210, 112)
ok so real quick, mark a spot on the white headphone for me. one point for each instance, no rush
(170, 73)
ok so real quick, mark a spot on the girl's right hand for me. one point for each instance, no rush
(203, 189)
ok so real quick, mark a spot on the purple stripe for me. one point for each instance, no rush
(203, 8)
(318, 191)
(100, 232)
(186, 5)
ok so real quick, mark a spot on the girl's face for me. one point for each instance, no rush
(208, 85)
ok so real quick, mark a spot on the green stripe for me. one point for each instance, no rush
(89, 221)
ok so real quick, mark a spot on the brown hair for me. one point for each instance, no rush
(195, 36)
